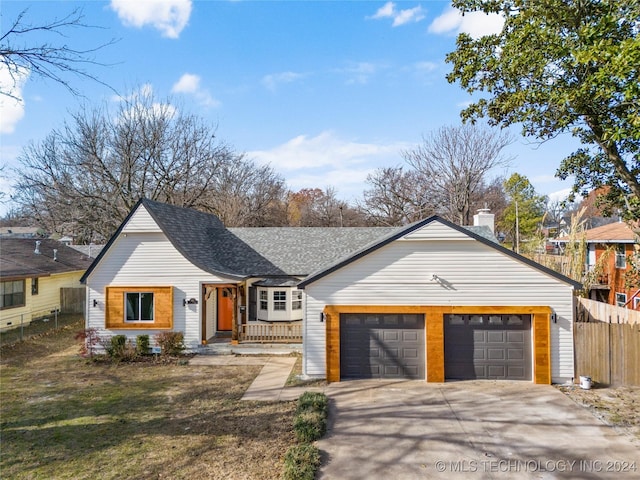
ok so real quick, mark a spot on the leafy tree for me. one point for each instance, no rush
(563, 66)
(453, 163)
(23, 53)
(523, 215)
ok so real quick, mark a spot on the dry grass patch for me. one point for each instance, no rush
(64, 417)
(294, 379)
(616, 406)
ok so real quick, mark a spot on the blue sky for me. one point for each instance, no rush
(326, 92)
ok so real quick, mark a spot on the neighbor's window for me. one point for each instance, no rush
(296, 303)
(34, 286)
(12, 294)
(139, 306)
(621, 299)
(280, 300)
(264, 300)
(621, 259)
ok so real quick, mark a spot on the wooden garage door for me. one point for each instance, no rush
(382, 346)
(487, 347)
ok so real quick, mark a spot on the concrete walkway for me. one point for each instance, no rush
(269, 385)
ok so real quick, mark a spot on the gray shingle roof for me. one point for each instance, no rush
(255, 252)
(203, 239)
(302, 250)
(19, 260)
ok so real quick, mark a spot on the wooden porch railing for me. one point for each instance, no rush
(271, 332)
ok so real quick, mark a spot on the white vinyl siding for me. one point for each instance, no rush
(133, 260)
(141, 221)
(468, 273)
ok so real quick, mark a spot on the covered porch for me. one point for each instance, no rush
(226, 318)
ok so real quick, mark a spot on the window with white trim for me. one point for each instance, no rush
(621, 299)
(636, 303)
(280, 300)
(296, 300)
(12, 294)
(138, 306)
(264, 300)
(621, 257)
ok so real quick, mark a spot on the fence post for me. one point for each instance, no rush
(56, 318)
(21, 326)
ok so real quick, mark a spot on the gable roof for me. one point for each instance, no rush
(19, 260)
(243, 252)
(201, 238)
(618, 232)
(415, 226)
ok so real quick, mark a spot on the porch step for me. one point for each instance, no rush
(249, 349)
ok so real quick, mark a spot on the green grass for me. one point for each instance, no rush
(65, 417)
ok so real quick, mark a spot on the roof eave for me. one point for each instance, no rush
(417, 225)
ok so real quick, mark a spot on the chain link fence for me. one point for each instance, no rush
(22, 329)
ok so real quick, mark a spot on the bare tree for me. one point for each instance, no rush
(247, 195)
(396, 197)
(84, 178)
(52, 59)
(454, 162)
(314, 207)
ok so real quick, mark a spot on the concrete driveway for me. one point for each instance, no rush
(477, 429)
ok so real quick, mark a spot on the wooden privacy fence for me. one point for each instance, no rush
(607, 343)
(72, 300)
(271, 333)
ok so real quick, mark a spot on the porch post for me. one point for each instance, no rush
(234, 316)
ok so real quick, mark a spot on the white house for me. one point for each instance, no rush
(432, 300)
(437, 301)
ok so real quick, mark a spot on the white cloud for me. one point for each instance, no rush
(476, 24)
(140, 103)
(168, 16)
(400, 17)
(328, 160)
(11, 107)
(425, 67)
(190, 84)
(360, 73)
(560, 195)
(273, 80)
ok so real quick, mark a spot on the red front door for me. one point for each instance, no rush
(225, 309)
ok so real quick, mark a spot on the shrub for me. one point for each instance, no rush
(301, 462)
(142, 344)
(119, 348)
(310, 422)
(313, 401)
(171, 343)
(89, 338)
(116, 345)
(309, 426)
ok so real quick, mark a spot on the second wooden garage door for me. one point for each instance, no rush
(382, 346)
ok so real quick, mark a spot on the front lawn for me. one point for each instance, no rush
(64, 417)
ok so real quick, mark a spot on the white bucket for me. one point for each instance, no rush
(585, 383)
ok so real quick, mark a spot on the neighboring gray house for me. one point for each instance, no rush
(431, 300)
